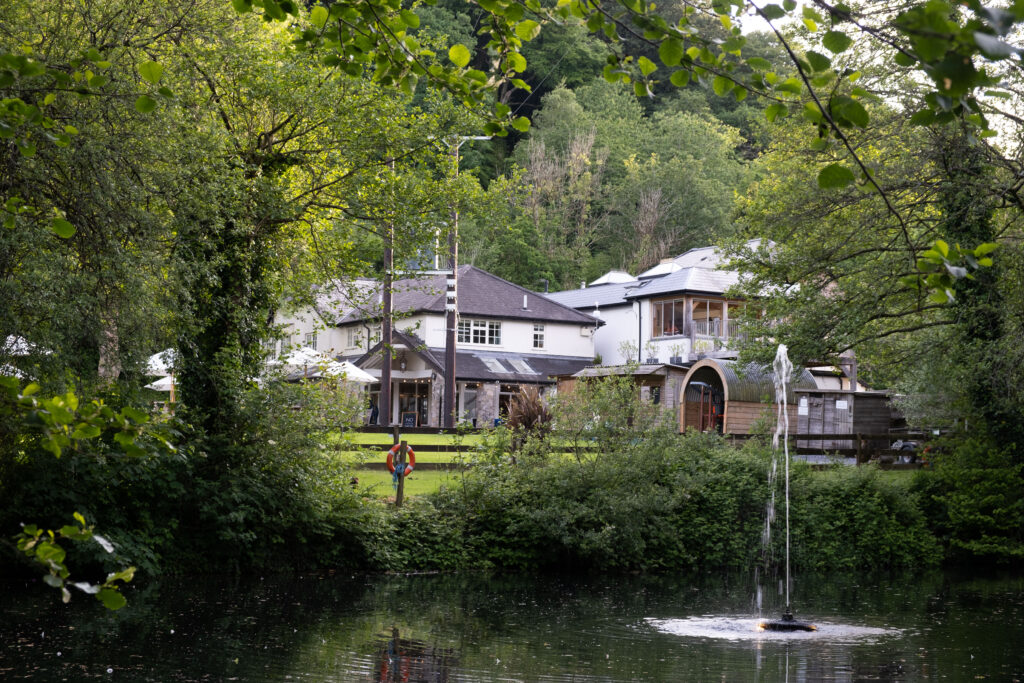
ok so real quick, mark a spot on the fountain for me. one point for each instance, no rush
(787, 628)
(782, 375)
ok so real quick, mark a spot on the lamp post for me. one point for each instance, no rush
(451, 307)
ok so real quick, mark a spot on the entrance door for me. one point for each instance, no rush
(413, 397)
(704, 406)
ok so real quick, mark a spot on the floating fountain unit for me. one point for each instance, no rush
(786, 623)
(783, 371)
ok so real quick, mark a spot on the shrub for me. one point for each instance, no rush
(974, 501)
(678, 503)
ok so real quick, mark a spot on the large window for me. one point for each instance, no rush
(669, 317)
(707, 317)
(479, 332)
(538, 336)
(311, 340)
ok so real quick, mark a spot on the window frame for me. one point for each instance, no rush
(478, 332)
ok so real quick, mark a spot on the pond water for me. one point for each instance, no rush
(487, 628)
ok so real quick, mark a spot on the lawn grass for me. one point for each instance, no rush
(384, 440)
(371, 455)
(419, 483)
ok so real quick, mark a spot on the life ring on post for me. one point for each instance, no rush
(393, 453)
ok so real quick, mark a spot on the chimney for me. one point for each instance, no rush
(583, 284)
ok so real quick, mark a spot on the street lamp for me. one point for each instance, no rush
(451, 292)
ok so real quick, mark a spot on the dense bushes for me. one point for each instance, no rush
(652, 501)
(269, 500)
(678, 503)
(974, 500)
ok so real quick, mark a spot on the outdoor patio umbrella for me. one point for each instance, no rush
(348, 371)
(165, 383)
(160, 364)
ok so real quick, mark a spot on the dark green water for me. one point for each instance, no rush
(474, 627)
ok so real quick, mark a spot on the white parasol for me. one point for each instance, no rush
(165, 383)
(160, 364)
(348, 371)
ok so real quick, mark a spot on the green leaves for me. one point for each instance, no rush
(647, 67)
(527, 30)
(111, 598)
(670, 51)
(459, 55)
(144, 104)
(410, 19)
(151, 71)
(835, 176)
(62, 228)
(318, 16)
(942, 265)
(836, 41)
(43, 547)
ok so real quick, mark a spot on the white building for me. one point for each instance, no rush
(674, 313)
(507, 336)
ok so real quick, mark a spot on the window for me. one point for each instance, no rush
(668, 317)
(311, 340)
(479, 332)
(494, 365)
(353, 337)
(522, 366)
(707, 317)
(538, 336)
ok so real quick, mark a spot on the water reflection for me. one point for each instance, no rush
(479, 627)
(404, 659)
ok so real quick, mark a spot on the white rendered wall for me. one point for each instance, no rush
(621, 326)
(560, 339)
(296, 325)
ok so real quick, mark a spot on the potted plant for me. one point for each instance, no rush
(677, 354)
(652, 353)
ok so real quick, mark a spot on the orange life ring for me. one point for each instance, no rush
(408, 466)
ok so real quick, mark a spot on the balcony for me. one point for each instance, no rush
(715, 329)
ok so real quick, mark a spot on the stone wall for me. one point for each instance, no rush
(487, 404)
(434, 409)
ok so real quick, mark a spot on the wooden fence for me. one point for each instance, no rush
(863, 451)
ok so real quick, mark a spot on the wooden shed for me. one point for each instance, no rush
(724, 396)
(841, 411)
(659, 383)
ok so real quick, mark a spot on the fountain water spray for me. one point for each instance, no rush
(782, 375)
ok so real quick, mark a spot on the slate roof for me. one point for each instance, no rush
(487, 366)
(612, 294)
(509, 367)
(481, 294)
(688, 280)
(694, 280)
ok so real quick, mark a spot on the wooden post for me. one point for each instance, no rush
(400, 468)
(860, 443)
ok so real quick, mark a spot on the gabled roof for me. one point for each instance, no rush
(481, 294)
(613, 276)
